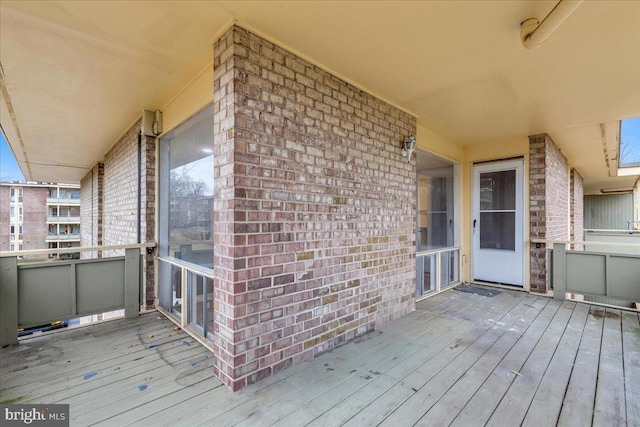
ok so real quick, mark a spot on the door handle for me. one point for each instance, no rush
(474, 224)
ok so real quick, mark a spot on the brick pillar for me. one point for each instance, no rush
(315, 210)
(577, 208)
(148, 217)
(224, 238)
(548, 203)
(91, 214)
(120, 199)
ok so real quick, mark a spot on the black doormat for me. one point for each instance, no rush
(472, 289)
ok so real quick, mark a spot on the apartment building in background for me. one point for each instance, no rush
(39, 215)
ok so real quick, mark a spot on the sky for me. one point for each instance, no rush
(9, 170)
(630, 133)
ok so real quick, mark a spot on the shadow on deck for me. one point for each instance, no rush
(464, 359)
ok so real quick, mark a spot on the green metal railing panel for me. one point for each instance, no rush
(586, 273)
(8, 301)
(605, 275)
(624, 277)
(99, 286)
(34, 294)
(44, 293)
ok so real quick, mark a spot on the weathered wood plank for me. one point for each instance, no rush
(334, 388)
(454, 364)
(292, 380)
(288, 381)
(180, 397)
(513, 406)
(610, 408)
(104, 404)
(343, 402)
(112, 382)
(392, 390)
(31, 346)
(547, 401)
(631, 353)
(70, 364)
(455, 398)
(577, 406)
(457, 350)
(82, 346)
(358, 370)
(480, 407)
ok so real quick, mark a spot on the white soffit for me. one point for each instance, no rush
(79, 73)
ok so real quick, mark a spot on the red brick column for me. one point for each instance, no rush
(314, 210)
(91, 212)
(577, 208)
(548, 203)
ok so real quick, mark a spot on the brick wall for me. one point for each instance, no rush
(548, 203)
(91, 188)
(314, 210)
(120, 205)
(120, 199)
(577, 208)
(34, 221)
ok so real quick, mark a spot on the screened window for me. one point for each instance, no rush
(435, 203)
(438, 259)
(186, 191)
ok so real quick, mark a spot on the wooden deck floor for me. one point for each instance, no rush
(460, 359)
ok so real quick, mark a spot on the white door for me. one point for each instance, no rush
(498, 222)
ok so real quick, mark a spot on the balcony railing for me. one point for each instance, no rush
(37, 293)
(63, 237)
(63, 219)
(62, 201)
(605, 272)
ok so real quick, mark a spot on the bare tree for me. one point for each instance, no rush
(183, 184)
(628, 153)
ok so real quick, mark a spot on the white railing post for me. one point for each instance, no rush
(184, 321)
(438, 270)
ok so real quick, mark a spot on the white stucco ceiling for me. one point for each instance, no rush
(75, 75)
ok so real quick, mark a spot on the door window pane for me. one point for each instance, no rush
(498, 230)
(498, 190)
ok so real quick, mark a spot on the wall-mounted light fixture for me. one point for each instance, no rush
(408, 147)
(617, 190)
(151, 123)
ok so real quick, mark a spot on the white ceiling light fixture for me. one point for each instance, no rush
(616, 190)
(533, 32)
